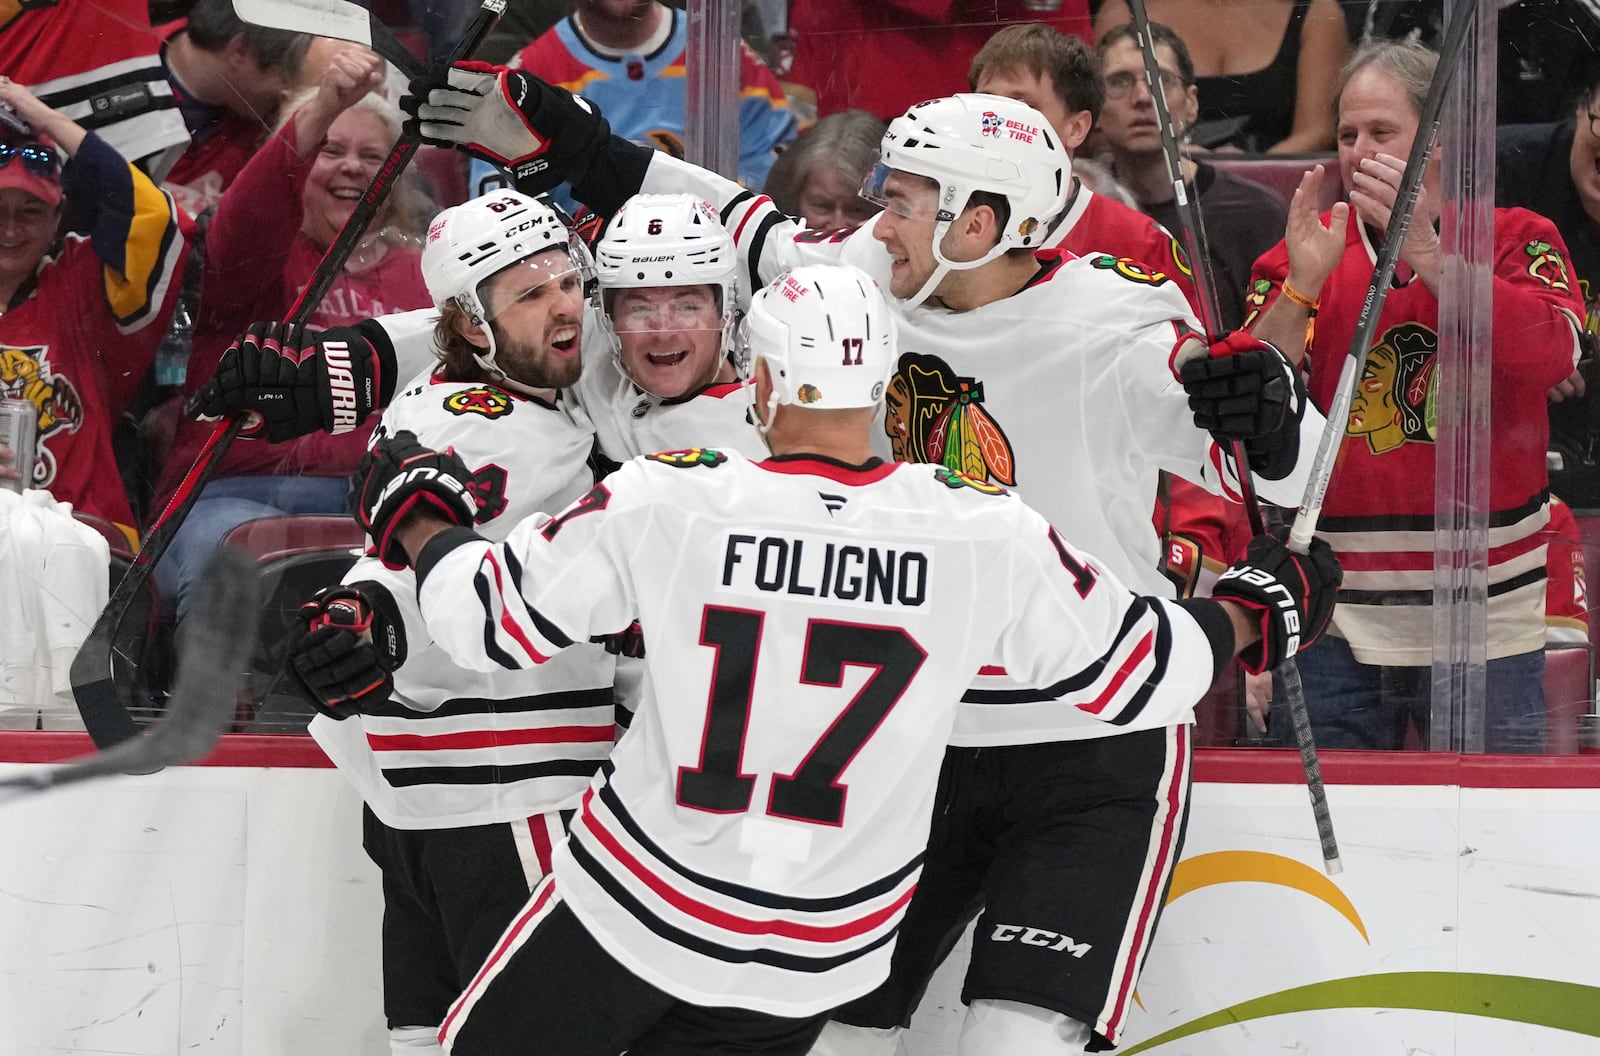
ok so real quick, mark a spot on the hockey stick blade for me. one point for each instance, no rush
(338, 19)
(213, 653)
(93, 687)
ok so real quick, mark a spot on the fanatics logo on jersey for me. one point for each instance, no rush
(932, 414)
(690, 456)
(1129, 269)
(480, 400)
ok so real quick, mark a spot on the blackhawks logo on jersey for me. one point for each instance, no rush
(954, 478)
(934, 415)
(1398, 399)
(480, 400)
(689, 456)
(1129, 269)
(1546, 265)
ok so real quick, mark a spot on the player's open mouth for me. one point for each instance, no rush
(669, 359)
(565, 341)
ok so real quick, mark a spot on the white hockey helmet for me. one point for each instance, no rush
(975, 142)
(826, 335)
(667, 240)
(469, 244)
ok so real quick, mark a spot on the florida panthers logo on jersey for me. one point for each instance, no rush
(933, 415)
(25, 375)
(1546, 265)
(1398, 398)
(689, 456)
(1129, 269)
(480, 400)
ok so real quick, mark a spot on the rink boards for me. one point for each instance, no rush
(229, 910)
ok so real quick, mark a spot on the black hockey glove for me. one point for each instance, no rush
(1245, 389)
(542, 134)
(1293, 594)
(294, 383)
(400, 475)
(629, 642)
(351, 641)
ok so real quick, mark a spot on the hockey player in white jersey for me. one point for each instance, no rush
(1053, 374)
(468, 776)
(742, 862)
(658, 368)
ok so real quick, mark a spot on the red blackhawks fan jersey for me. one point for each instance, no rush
(1063, 391)
(1094, 224)
(1379, 511)
(79, 337)
(99, 63)
(757, 834)
(456, 747)
(1566, 604)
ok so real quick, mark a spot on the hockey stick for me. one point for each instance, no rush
(339, 19)
(213, 655)
(1198, 248)
(104, 714)
(1305, 524)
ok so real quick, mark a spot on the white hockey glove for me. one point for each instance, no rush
(508, 117)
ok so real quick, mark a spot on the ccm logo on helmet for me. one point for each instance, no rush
(1051, 940)
(341, 385)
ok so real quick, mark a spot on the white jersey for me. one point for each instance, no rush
(454, 746)
(1064, 391)
(757, 834)
(630, 422)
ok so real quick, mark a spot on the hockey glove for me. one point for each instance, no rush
(1292, 593)
(1245, 389)
(398, 476)
(629, 642)
(542, 134)
(350, 642)
(294, 383)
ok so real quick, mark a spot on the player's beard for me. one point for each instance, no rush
(534, 364)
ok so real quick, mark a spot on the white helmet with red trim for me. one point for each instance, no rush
(975, 142)
(826, 335)
(470, 243)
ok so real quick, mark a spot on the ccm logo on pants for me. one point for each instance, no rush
(1039, 937)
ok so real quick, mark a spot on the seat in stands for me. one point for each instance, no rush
(298, 556)
(1568, 695)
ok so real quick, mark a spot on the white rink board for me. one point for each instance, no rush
(231, 911)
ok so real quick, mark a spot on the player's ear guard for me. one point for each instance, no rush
(1293, 595)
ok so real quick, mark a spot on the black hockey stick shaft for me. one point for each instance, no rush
(99, 702)
(1193, 233)
(1199, 249)
(212, 655)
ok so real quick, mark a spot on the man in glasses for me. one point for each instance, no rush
(1243, 219)
(83, 314)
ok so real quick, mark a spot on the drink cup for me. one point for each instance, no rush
(19, 423)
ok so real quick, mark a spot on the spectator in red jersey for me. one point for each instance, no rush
(229, 79)
(258, 260)
(83, 314)
(886, 56)
(817, 177)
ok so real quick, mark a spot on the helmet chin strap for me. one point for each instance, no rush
(945, 265)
